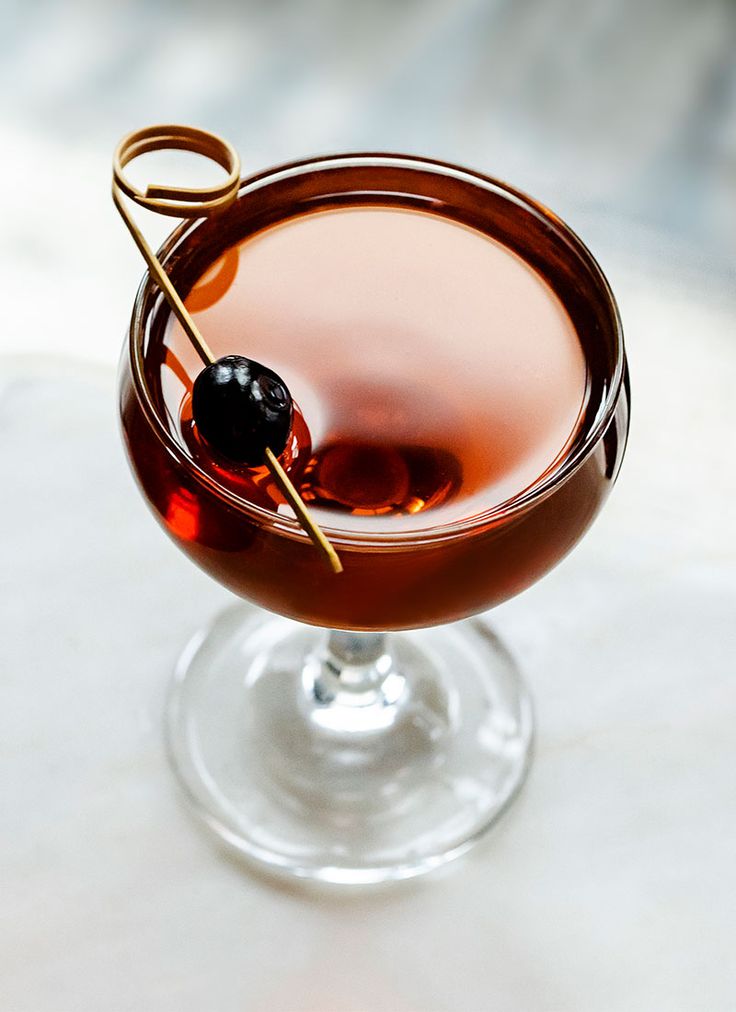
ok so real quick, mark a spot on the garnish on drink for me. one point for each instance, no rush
(241, 408)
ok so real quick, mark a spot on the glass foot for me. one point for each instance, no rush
(347, 757)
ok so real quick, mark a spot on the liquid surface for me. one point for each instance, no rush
(439, 375)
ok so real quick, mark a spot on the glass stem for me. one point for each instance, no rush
(354, 669)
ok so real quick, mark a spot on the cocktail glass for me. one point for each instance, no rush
(336, 727)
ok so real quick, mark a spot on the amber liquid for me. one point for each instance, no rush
(439, 375)
(436, 373)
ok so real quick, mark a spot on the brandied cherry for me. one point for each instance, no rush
(240, 408)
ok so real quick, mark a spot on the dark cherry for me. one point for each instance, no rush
(240, 407)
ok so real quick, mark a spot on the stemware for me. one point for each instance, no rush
(362, 727)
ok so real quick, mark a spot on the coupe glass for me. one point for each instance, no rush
(346, 734)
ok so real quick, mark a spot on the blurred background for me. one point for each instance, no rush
(618, 114)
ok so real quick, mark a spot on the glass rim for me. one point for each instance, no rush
(563, 467)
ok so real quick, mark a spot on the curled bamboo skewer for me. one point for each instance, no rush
(184, 202)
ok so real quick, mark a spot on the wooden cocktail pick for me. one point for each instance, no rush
(184, 202)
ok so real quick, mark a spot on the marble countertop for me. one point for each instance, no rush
(610, 883)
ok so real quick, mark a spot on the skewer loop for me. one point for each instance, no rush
(179, 201)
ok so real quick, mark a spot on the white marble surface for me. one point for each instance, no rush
(608, 886)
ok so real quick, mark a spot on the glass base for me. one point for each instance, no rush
(347, 758)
